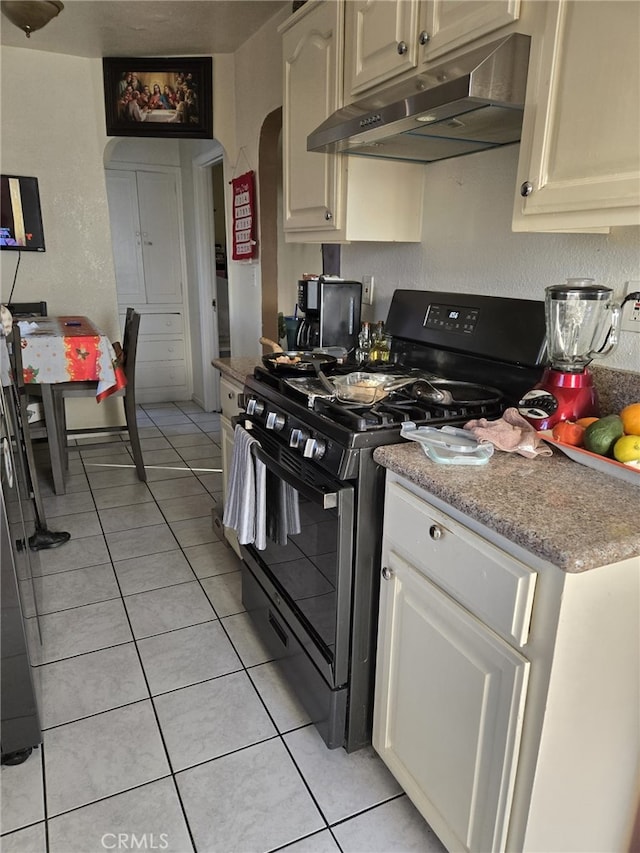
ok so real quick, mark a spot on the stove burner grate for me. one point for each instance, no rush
(394, 411)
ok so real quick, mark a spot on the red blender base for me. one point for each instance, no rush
(559, 397)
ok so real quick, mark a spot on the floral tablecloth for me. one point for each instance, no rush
(69, 349)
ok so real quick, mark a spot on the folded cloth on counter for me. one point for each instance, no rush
(283, 510)
(511, 432)
(245, 506)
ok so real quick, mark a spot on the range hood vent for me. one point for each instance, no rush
(466, 105)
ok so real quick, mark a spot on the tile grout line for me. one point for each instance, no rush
(244, 667)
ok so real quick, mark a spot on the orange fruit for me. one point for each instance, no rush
(569, 432)
(631, 419)
(584, 422)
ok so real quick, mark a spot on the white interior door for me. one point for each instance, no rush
(122, 194)
(161, 249)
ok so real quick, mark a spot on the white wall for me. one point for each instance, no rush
(258, 91)
(468, 246)
(60, 140)
(59, 137)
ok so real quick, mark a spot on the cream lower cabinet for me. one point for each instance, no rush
(579, 165)
(329, 198)
(229, 396)
(507, 691)
(450, 691)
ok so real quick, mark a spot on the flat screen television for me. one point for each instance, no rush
(20, 215)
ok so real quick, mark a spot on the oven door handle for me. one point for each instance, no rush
(327, 500)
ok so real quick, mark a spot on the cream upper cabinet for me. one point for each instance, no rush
(386, 38)
(579, 163)
(451, 24)
(381, 41)
(312, 73)
(329, 198)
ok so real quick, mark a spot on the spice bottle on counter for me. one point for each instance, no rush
(381, 345)
(363, 352)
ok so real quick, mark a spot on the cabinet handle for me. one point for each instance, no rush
(435, 531)
(402, 48)
(424, 37)
(526, 189)
(328, 216)
(387, 573)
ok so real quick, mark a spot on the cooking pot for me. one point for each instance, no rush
(295, 362)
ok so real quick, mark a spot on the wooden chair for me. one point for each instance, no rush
(127, 355)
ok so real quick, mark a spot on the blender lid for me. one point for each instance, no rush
(573, 290)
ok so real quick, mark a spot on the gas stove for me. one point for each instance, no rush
(302, 414)
(312, 593)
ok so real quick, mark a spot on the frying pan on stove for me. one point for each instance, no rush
(296, 362)
(447, 392)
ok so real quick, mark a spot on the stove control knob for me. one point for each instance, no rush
(298, 438)
(254, 407)
(314, 448)
(275, 421)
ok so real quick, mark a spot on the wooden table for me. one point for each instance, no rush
(57, 350)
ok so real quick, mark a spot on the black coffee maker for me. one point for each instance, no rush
(331, 308)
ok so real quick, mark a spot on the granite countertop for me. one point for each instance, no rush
(236, 368)
(572, 516)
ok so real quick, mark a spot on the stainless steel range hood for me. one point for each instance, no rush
(466, 105)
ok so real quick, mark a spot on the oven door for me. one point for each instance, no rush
(308, 578)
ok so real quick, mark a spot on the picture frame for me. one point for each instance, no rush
(170, 97)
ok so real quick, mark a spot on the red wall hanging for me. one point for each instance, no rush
(245, 247)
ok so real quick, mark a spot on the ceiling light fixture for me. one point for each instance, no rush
(31, 15)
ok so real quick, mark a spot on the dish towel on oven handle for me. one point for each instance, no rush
(245, 506)
(283, 510)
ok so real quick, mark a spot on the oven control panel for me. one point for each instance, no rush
(451, 318)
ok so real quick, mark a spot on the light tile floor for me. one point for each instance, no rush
(166, 726)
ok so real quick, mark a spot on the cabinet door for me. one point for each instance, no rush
(161, 243)
(453, 24)
(448, 710)
(380, 41)
(312, 74)
(580, 152)
(226, 431)
(122, 196)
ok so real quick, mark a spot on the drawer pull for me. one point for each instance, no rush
(387, 573)
(435, 531)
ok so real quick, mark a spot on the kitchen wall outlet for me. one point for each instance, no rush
(367, 290)
(630, 320)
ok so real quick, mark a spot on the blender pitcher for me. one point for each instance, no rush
(577, 315)
(582, 322)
